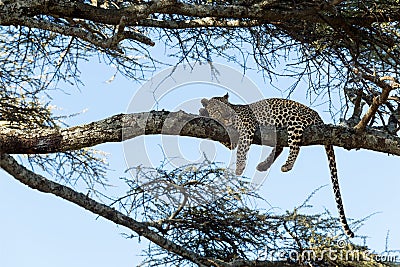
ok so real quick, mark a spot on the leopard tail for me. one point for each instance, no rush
(336, 189)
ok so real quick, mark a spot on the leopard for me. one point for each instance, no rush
(276, 112)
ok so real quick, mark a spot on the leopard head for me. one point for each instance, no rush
(219, 109)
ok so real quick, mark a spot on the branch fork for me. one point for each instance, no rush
(377, 100)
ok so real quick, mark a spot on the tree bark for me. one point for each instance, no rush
(122, 127)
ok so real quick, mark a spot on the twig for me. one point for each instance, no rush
(184, 201)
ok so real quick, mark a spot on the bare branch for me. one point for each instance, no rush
(377, 100)
(81, 33)
(40, 183)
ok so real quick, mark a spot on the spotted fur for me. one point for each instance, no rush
(293, 116)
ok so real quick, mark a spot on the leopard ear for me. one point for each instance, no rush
(204, 102)
(226, 96)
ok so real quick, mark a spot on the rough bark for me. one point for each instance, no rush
(267, 12)
(127, 126)
(26, 12)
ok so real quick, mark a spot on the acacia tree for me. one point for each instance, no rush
(347, 48)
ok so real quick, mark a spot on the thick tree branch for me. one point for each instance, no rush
(206, 22)
(40, 183)
(265, 12)
(290, 18)
(127, 126)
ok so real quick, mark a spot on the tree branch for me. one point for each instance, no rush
(377, 100)
(40, 183)
(85, 34)
(206, 22)
(127, 126)
(265, 12)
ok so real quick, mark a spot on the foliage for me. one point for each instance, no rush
(227, 223)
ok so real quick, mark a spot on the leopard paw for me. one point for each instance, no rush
(239, 169)
(286, 167)
(263, 166)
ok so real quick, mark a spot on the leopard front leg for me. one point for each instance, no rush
(294, 139)
(264, 165)
(245, 140)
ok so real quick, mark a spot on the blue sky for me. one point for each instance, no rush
(42, 230)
